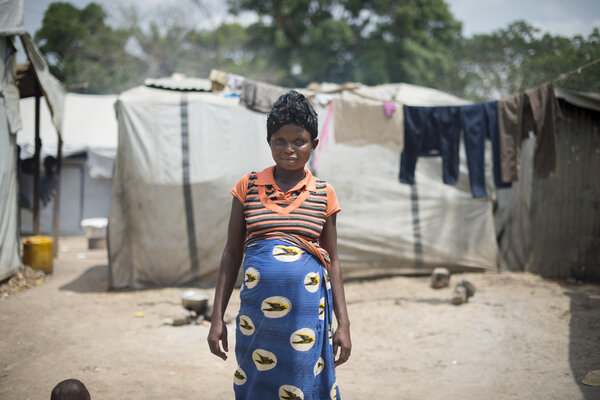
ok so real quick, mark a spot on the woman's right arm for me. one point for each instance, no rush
(228, 272)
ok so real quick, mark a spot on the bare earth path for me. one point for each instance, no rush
(519, 337)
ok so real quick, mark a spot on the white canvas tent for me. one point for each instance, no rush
(89, 137)
(9, 124)
(42, 83)
(180, 153)
(388, 227)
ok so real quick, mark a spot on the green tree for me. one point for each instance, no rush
(166, 41)
(84, 52)
(373, 41)
(228, 48)
(521, 57)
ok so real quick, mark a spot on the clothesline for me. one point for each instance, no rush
(353, 88)
(348, 86)
(575, 71)
(435, 130)
(427, 131)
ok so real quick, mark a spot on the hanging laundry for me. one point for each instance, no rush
(359, 121)
(534, 110)
(234, 82)
(510, 131)
(491, 111)
(259, 96)
(218, 80)
(323, 139)
(545, 111)
(322, 99)
(389, 108)
(479, 121)
(428, 132)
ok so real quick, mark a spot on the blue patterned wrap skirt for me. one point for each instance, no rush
(284, 336)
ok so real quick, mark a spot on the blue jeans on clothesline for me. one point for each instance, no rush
(429, 132)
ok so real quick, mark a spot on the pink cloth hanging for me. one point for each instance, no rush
(324, 142)
(389, 108)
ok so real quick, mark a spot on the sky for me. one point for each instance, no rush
(558, 17)
(565, 18)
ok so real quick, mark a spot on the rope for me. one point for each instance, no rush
(575, 71)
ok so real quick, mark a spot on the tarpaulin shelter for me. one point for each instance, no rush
(89, 135)
(9, 125)
(180, 152)
(36, 81)
(387, 227)
(551, 226)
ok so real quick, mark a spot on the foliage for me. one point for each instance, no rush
(295, 42)
(229, 48)
(520, 57)
(373, 41)
(83, 51)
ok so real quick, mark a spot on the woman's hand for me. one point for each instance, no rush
(341, 341)
(216, 334)
(228, 271)
(341, 337)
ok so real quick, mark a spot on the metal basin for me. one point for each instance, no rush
(194, 300)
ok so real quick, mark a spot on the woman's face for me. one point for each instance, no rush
(291, 146)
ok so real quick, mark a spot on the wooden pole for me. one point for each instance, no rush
(57, 196)
(36, 166)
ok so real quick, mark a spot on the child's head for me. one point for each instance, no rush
(70, 389)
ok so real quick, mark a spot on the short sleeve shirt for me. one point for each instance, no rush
(303, 205)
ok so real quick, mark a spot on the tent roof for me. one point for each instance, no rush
(590, 100)
(89, 123)
(180, 83)
(51, 88)
(12, 17)
(411, 95)
(90, 120)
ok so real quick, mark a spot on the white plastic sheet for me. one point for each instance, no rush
(9, 233)
(386, 227)
(12, 17)
(149, 223)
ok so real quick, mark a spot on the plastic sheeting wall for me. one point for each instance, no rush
(565, 211)
(9, 234)
(82, 196)
(180, 154)
(9, 125)
(512, 215)
(386, 227)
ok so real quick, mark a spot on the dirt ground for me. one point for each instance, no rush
(519, 337)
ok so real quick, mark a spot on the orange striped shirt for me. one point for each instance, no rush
(300, 212)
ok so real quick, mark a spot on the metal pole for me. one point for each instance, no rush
(36, 166)
(57, 196)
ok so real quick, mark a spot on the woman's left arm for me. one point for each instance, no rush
(341, 337)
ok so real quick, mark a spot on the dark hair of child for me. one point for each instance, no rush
(70, 389)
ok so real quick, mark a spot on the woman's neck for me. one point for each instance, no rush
(287, 179)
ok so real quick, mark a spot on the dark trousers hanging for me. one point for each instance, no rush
(428, 132)
(479, 121)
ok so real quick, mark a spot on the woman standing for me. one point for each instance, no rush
(284, 219)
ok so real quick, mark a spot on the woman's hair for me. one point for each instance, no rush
(292, 108)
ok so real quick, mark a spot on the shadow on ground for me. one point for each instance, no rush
(93, 280)
(398, 300)
(584, 327)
